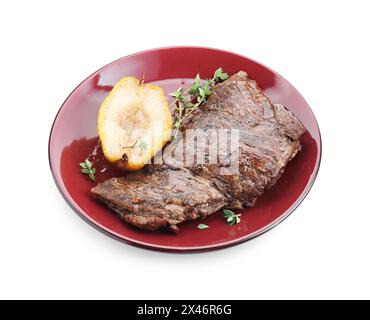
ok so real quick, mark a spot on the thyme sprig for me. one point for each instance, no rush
(189, 100)
(231, 217)
(88, 169)
(141, 145)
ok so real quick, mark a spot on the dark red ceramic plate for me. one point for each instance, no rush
(73, 138)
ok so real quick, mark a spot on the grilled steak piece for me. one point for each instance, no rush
(163, 196)
(268, 139)
(160, 197)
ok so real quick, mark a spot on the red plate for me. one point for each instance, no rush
(73, 138)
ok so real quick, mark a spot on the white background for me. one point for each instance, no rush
(321, 251)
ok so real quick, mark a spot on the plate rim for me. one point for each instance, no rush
(190, 249)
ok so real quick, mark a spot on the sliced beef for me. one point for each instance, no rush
(161, 197)
(268, 139)
(164, 196)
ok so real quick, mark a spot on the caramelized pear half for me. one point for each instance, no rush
(134, 123)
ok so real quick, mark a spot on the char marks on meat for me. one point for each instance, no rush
(166, 195)
(160, 197)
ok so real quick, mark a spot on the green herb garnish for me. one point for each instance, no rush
(220, 75)
(187, 101)
(87, 168)
(142, 145)
(202, 226)
(231, 217)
